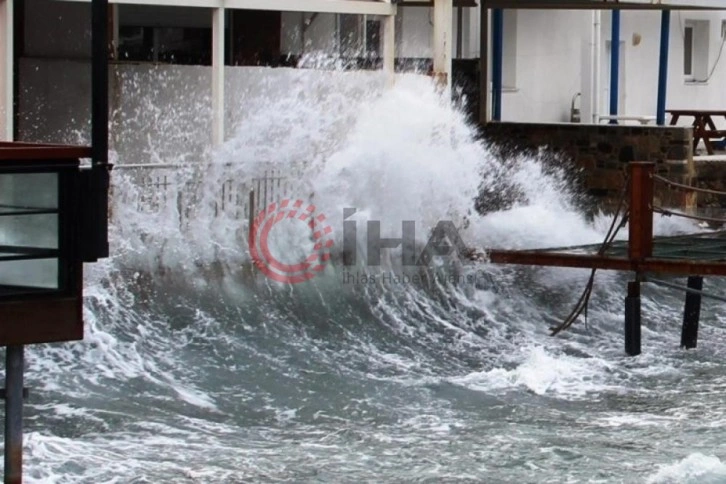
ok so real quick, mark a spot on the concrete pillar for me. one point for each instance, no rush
(6, 70)
(389, 45)
(218, 76)
(443, 40)
(483, 63)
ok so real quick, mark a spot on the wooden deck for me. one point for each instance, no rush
(693, 255)
(703, 254)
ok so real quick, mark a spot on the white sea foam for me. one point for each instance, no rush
(696, 468)
(542, 373)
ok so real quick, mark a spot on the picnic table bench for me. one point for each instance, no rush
(703, 126)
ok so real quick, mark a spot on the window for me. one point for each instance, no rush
(359, 36)
(509, 50)
(176, 45)
(164, 34)
(695, 50)
(688, 51)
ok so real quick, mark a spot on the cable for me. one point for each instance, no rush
(687, 187)
(583, 302)
(669, 213)
(684, 288)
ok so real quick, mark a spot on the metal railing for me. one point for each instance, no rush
(155, 186)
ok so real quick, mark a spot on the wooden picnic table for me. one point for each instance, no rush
(703, 126)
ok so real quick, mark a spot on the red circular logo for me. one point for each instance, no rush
(288, 211)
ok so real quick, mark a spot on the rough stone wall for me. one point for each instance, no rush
(602, 153)
(711, 174)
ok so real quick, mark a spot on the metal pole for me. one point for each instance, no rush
(614, 63)
(252, 215)
(14, 414)
(497, 54)
(483, 64)
(99, 181)
(665, 25)
(632, 319)
(691, 313)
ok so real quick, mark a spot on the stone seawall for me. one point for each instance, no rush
(602, 152)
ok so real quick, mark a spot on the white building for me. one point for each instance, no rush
(553, 60)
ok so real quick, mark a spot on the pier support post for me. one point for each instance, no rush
(389, 47)
(691, 313)
(632, 319)
(14, 414)
(640, 239)
(442, 41)
(640, 245)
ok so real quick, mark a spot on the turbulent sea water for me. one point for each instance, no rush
(196, 370)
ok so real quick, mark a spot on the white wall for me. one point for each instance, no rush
(552, 54)
(548, 65)
(6, 74)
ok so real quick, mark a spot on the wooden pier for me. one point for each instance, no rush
(693, 255)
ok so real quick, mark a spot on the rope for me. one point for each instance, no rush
(684, 288)
(669, 213)
(687, 187)
(583, 302)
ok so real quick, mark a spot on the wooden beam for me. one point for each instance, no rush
(357, 7)
(535, 258)
(430, 3)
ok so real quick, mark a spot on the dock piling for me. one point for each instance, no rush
(632, 319)
(14, 362)
(691, 313)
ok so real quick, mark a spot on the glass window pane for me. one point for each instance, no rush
(34, 273)
(688, 51)
(28, 232)
(28, 190)
(39, 231)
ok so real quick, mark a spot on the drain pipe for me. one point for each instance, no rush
(614, 64)
(596, 16)
(497, 60)
(665, 25)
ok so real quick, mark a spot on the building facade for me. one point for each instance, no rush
(555, 63)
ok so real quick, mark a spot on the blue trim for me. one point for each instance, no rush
(665, 26)
(614, 64)
(497, 55)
